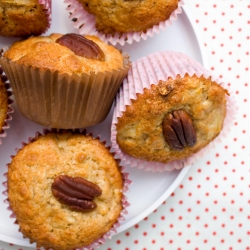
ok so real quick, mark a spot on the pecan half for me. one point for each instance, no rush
(81, 46)
(77, 193)
(178, 130)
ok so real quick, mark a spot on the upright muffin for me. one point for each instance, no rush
(122, 21)
(23, 18)
(127, 16)
(169, 109)
(68, 81)
(65, 189)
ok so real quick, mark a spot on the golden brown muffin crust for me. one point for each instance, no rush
(44, 53)
(139, 129)
(40, 216)
(3, 103)
(22, 18)
(130, 15)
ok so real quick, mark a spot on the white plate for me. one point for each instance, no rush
(181, 36)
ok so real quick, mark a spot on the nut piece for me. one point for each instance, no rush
(77, 193)
(165, 87)
(178, 130)
(81, 46)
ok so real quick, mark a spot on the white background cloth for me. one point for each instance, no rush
(210, 209)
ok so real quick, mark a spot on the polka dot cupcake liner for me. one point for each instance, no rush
(85, 24)
(10, 110)
(152, 69)
(126, 183)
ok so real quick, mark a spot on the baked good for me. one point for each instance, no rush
(122, 22)
(23, 18)
(4, 101)
(47, 52)
(157, 127)
(64, 81)
(51, 207)
(128, 16)
(168, 112)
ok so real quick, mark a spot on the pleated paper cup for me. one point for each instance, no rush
(4, 124)
(85, 23)
(64, 101)
(124, 202)
(150, 70)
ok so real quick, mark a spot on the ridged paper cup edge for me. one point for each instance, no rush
(10, 110)
(47, 7)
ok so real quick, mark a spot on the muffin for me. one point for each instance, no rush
(64, 81)
(23, 18)
(169, 109)
(122, 21)
(73, 196)
(5, 102)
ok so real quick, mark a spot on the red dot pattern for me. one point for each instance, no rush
(210, 209)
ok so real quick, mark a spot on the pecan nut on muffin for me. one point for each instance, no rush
(64, 81)
(23, 18)
(65, 189)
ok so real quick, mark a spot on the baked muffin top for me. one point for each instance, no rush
(41, 217)
(3, 103)
(22, 18)
(140, 131)
(125, 16)
(44, 52)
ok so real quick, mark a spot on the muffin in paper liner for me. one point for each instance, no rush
(7, 93)
(84, 22)
(38, 18)
(59, 100)
(124, 203)
(150, 70)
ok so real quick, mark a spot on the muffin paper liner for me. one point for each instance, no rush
(149, 70)
(64, 101)
(85, 24)
(47, 8)
(126, 182)
(10, 109)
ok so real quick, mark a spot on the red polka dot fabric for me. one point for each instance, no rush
(210, 209)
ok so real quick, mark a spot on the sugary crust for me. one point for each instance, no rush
(3, 104)
(44, 53)
(40, 216)
(126, 16)
(21, 18)
(139, 129)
